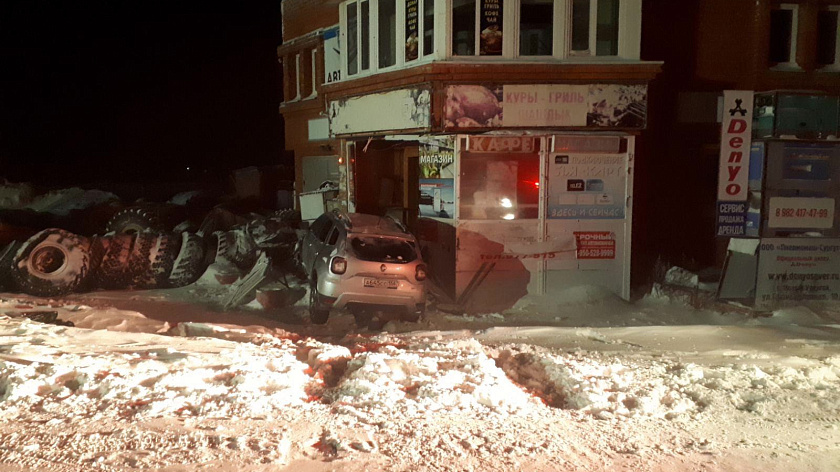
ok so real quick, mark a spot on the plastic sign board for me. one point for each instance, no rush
(797, 271)
(736, 132)
(332, 56)
(798, 212)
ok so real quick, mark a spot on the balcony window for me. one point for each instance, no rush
(387, 33)
(352, 39)
(828, 38)
(428, 27)
(463, 27)
(365, 35)
(594, 27)
(783, 30)
(536, 27)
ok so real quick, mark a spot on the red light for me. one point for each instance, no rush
(536, 185)
(420, 272)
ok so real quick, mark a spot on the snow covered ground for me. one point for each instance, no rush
(159, 380)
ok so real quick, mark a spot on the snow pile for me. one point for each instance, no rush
(138, 379)
(62, 202)
(607, 388)
(428, 377)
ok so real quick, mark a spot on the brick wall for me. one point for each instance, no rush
(302, 16)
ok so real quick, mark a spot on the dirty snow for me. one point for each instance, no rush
(647, 386)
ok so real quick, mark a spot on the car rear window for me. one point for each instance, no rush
(381, 249)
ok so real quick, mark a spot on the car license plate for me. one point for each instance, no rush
(381, 283)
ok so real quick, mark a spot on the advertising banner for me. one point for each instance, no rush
(551, 105)
(586, 186)
(407, 109)
(595, 244)
(437, 182)
(490, 40)
(412, 31)
(797, 271)
(736, 134)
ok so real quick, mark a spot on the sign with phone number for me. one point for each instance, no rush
(595, 245)
(797, 212)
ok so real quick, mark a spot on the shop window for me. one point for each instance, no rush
(828, 38)
(387, 20)
(783, 29)
(536, 27)
(594, 27)
(499, 186)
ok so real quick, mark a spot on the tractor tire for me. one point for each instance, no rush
(113, 271)
(98, 247)
(152, 260)
(51, 263)
(134, 220)
(189, 264)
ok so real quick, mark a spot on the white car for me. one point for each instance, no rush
(362, 262)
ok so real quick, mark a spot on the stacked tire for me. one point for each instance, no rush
(55, 262)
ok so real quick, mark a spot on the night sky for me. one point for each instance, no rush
(137, 91)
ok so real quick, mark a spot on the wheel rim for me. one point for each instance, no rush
(48, 260)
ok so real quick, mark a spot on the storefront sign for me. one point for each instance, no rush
(549, 105)
(412, 41)
(736, 132)
(731, 218)
(545, 105)
(407, 109)
(502, 144)
(797, 212)
(797, 271)
(332, 56)
(595, 245)
(587, 186)
(490, 40)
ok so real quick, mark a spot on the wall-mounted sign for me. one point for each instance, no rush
(437, 181)
(490, 40)
(502, 144)
(332, 56)
(412, 31)
(731, 218)
(736, 133)
(407, 109)
(797, 270)
(586, 186)
(798, 212)
(595, 244)
(546, 105)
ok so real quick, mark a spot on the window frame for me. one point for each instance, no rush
(834, 66)
(791, 63)
(373, 37)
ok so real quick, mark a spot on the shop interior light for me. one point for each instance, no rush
(340, 160)
(505, 202)
(509, 216)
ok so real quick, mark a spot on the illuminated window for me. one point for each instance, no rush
(499, 186)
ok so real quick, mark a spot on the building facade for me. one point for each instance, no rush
(501, 131)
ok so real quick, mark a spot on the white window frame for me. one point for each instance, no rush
(314, 74)
(834, 66)
(629, 33)
(373, 28)
(298, 76)
(791, 64)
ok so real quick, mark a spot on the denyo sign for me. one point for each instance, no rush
(736, 132)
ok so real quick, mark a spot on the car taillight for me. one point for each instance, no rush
(338, 265)
(420, 273)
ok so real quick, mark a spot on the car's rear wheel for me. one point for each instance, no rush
(318, 314)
